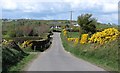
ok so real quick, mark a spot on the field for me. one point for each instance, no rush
(73, 34)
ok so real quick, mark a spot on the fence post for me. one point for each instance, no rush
(34, 48)
(41, 46)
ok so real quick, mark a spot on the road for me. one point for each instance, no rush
(57, 59)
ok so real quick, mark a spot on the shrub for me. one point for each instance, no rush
(11, 55)
(27, 44)
(87, 23)
(64, 32)
(84, 38)
(75, 40)
(11, 33)
(107, 35)
(75, 29)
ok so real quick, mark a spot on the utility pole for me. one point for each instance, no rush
(71, 17)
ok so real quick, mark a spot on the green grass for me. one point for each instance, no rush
(104, 26)
(20, 66)
(0, 57)
(27, 49)
(105, 56)
(57, 29)
(73, 34)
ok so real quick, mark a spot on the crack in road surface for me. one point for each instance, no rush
(57, 59)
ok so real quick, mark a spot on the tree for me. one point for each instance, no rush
(11, 33)
(67, 26)
(87, 23)
(43, 28)
(19, 31)
(27, 30)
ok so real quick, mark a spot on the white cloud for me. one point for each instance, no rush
(103, 5)
(108, 18)
(56, 6)
(35, 5)
(85, 4)
(29, 7)
(9, 4)
(110, 7)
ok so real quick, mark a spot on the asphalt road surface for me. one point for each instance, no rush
(57, 59)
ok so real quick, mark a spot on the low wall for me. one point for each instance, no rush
(41, 45)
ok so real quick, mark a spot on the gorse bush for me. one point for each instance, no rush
(71, 39)
(84, 38)
(105, 36)
(100, 48)
(27, 43)
(76, 40)
(64, 32)
(102, 37)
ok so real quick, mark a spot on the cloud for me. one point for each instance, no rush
(29, 7)
(59, 9)
(108, 18)
(9, 4)
(110, 7)
(38, 5)
(103, 5)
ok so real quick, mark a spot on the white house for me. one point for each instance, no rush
(76, 25)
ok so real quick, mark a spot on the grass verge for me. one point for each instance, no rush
(74, 34)
(105, 56)
(20, 66)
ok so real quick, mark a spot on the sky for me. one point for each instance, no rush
(105, 11)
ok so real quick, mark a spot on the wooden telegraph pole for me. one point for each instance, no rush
(71, 19)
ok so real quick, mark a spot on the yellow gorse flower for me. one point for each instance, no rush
(27, 44)
(71, 39)
(5, 42)
(75, 40)
(107, 35)
(64, 32)
(84, 38)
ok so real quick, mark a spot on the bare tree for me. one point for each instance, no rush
(42, 29)
(26, 30)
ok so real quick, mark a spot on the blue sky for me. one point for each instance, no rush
(105, 11)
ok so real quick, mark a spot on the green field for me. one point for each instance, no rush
(104, 26)
(73, 34)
